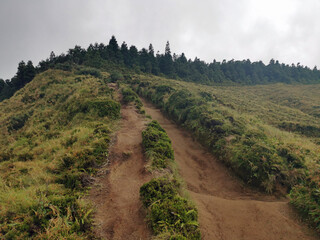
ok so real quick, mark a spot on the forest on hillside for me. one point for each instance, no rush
(175, 66)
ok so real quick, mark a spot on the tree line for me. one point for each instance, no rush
(103, 56)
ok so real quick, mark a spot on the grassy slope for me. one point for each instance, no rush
(247, 128)
(54, 133)
(277, 104)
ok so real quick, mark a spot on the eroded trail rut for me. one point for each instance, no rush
(119, 214)
(227, 210)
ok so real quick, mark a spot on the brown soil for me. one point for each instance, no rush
(115, 194)
(227, 209)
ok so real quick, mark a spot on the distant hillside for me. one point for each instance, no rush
(109, 56)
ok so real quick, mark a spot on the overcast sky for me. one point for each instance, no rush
(287, 30)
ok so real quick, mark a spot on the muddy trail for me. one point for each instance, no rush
(115, 194)
(227, 209)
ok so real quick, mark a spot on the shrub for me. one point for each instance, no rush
(90, 71)
(67, 66)
(17, 121)
(306, 198)
(116, 76)
(176, 215)
(167, 211)
(71, 179)
(158, 188)
(157, 145)
(100, 107)
(104, 108)
(307, 130)
(129, 96)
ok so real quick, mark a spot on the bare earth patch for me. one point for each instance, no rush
(119, 211)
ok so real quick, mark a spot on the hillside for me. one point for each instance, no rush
(245, 129)
(228, 209)
(55, 132)
(80, 157)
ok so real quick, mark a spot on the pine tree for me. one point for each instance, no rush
(166, 63)
(151, 50)
(2, 84)
(52, 56)
(113, 51)
(167, 51)
(125, 53)
(133, 56)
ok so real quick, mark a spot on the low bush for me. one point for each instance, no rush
(104, 107)
(67, 66)
(17, 121)
(157, 145)
(307, 130)
(306, 198)
(176, 216)
(90, 71)
(168, 212)
(158, 189)
(129, 96)
(97, 107)
(116, 76)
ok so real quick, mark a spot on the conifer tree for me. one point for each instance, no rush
(166, 63)
(125, 53)
(151, 50)
(113, 51)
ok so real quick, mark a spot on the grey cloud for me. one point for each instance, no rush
(287, 30)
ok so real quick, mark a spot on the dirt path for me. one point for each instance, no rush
(119, 212)
(227, 210)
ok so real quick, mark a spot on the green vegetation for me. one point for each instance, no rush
(157, 145)
(25, 74)
(129, 96)
(90, 71)
(305, 197)
(56, 121)
(170, 215)
(55, 133)
(116, 76)
(235, 125)
(123, 58)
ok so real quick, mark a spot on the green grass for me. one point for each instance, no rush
(269, 140)
(170, 215)
(157, 145)
(129, 96)
(55, 133)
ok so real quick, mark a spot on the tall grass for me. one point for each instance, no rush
(55, 133)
